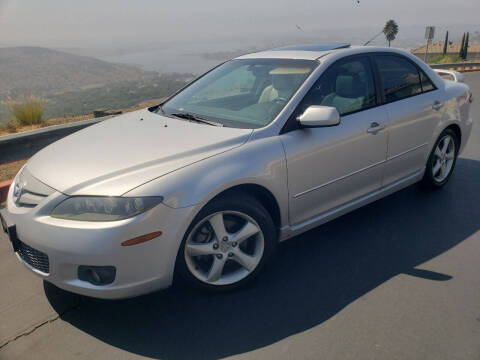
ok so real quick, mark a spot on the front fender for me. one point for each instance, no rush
(259, 161)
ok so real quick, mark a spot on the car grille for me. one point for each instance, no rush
(33, 257)
(28, 199)
(28, 191)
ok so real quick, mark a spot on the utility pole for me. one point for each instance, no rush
(429, 34)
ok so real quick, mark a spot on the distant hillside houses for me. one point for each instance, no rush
(436, 48)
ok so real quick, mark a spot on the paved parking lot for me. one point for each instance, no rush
(398, 279)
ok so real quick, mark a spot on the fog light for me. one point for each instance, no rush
(97, 275)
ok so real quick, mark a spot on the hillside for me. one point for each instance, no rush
(43, 71)
(74, 85)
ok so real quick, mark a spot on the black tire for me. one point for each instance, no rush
(237, 202)
(429, 181)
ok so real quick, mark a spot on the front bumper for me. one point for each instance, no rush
(140, 268)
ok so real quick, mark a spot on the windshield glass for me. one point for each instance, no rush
(246, 93)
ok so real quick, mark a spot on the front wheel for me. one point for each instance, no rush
(227, 244)
(442, 159)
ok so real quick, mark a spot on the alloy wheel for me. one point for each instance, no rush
(224, 248)
(444, 157)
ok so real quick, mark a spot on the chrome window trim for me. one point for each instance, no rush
(277, 125)
(414, 64)
(328, 65)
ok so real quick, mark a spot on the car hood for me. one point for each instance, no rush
(119, 154)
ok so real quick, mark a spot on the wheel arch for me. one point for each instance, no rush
(260, 193)
(458, 132)
(237, 192)
(439, 130)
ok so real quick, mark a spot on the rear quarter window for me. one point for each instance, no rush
(427, 84)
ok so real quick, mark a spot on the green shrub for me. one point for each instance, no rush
(445, 59)
(27, 111)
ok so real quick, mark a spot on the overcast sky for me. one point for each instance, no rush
(97, 22)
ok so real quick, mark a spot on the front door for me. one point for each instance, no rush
(331, 166)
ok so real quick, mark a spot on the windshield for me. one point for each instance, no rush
(246, 93)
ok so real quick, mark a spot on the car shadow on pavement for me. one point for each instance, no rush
(312, 278)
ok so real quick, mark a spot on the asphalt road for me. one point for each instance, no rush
(397, 279)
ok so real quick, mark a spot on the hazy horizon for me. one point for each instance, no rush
(161, 36)
(56, 23)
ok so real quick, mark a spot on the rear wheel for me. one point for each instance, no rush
(442, 159)
(227, 244)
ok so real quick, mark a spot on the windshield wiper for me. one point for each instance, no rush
(196, 118)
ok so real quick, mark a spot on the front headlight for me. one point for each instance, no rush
(91, 208)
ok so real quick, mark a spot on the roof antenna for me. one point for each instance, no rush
(373, 38)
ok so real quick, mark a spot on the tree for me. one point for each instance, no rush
(390, 30)
(465, 47)
(462, 46)
(445, 44)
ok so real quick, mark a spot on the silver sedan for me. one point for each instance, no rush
(202, 187)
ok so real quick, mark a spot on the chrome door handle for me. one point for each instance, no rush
(437, 105)
(375, 127)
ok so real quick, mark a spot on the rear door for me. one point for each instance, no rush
(413, 110)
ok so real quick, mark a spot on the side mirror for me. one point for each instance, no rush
(319, 116)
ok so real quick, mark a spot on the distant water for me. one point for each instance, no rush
(183, 58)
(165, 61)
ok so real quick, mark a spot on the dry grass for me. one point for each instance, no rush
(452, 49)
(26, 111)
(9, 128)
(9, 170)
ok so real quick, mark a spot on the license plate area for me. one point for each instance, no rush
(4, 224)
(11, 231)
(12, 234)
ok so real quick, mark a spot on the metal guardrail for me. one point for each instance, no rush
(21, 145)
(465, 66)
(25, 144)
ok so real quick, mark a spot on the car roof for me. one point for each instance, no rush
(305, 52)
(314, 51)
(315, 47)
(285, 54)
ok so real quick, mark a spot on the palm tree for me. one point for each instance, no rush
(390, 30)
(462, 46)
(445, 44)
(465, 47)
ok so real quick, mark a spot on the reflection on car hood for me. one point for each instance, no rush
(121, 153)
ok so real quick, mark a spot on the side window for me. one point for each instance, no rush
(427, 84)
(399, 77)
(346, 85)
